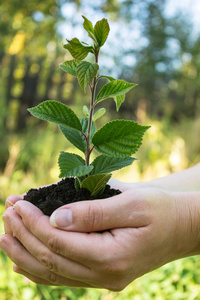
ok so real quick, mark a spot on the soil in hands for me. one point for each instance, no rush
(52, 197)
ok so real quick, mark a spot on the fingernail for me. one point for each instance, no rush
(9, 203)
(3, 246)
(61, 218)
(6, 219)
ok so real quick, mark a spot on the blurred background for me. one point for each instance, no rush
(154, 43)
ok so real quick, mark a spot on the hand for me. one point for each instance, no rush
(146, 228)
(114, 183)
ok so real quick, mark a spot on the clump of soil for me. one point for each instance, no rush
(52, 197)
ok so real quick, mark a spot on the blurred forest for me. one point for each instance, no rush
(146, 45)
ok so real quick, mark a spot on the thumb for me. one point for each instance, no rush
(11, 200)
(124, 210)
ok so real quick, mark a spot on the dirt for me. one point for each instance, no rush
(52, 197)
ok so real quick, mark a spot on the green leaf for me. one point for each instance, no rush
(118, 99)
(56, 112)
(89, 28)
(77, 184)
(107, 164)
(119, 138)
(95, 183)
(86, 71)
(113, 89)
(99, 114)
(77, 49)
(86, 111)
(101, 31)
(75, 137)
(70, 66)
(72, 165)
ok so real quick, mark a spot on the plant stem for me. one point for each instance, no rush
(93, 88)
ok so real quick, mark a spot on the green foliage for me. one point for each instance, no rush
(114, 89)
(77, 49)
(117, 140)
(86, 72)
(76, 137)
(106, 164)
(56, 112)
(70, 66)
(72, 165)
(101, 31)
(98, 114)
(95, 183)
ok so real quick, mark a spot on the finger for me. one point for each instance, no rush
(29, 264)
(11, 200)
(6, 223)
(80, 247)
(124, 210)
(50, 260)
(7, 229)
(33, 278)
(45, 282)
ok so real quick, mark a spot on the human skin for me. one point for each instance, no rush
(110, 242)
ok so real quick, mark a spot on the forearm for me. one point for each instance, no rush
(183, 181)
(187, 180)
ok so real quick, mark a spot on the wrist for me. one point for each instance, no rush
(188, 223)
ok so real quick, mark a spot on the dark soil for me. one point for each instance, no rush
(51, 197)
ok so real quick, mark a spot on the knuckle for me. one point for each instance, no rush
(51, 277)
(48, 262)
(117, 268)
(53, 244)
(93, 218)
(20, 235)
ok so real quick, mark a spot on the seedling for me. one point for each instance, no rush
(116, 141)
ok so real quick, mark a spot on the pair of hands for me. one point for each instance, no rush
(109, 243)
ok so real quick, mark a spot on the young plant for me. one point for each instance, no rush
(116, 141)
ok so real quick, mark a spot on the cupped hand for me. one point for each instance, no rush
(106, 243)
(12, 199)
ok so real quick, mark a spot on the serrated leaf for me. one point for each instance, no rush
(70, 66)
(119, 100)
(100, 112)
(95, 183)
(75, 137)
(89, 28)
(107, 164)
(56, 112)
(114, 88)
(101, 31)
(119, 138)
(77, 49)
(86, 71)
(72, 165)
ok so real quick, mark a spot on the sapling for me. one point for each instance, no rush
(116, 141)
